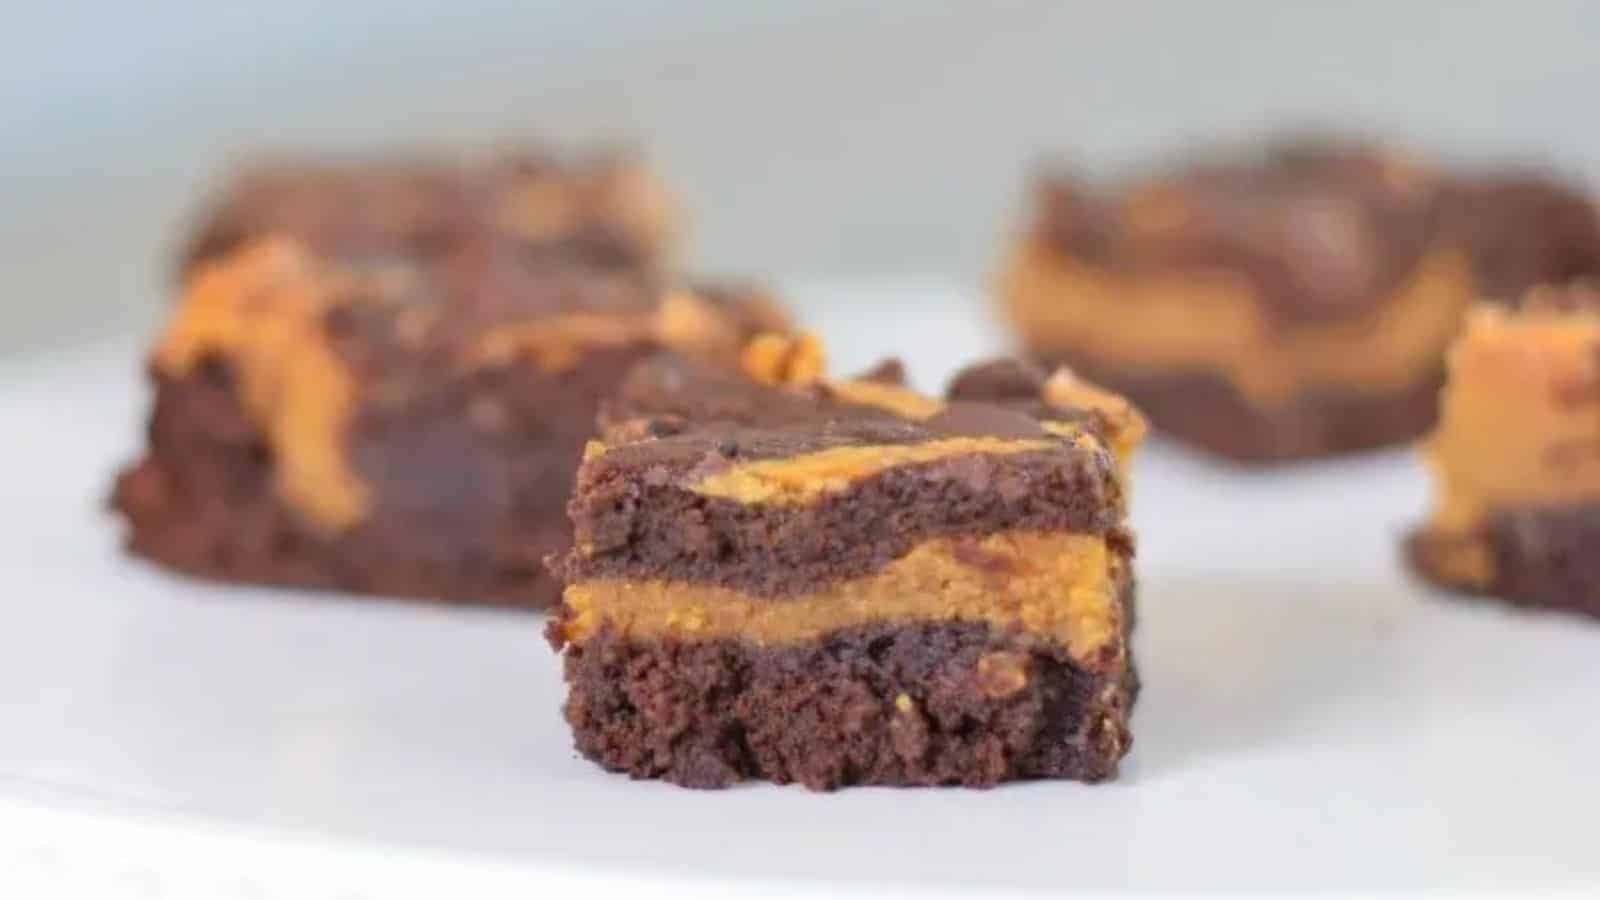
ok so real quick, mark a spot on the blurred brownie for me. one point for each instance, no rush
(355, 413)
(604, 205)
(1522, 229)
(1290, 306)
(1516, 456)
(796, 579)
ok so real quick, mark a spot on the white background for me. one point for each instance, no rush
(810, 138)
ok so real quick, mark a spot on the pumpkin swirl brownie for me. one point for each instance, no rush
(336, 407)
(1516, 457)
(799, 579)
(1293, 304)
(607, 205)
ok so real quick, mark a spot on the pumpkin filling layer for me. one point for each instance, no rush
(1213, 321)
(1064, 587)
(1519, 428)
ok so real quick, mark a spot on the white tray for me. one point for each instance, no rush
(1310, 717)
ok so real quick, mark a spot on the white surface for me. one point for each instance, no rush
(1310, 719)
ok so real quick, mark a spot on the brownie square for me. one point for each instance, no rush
(418, 206)
(390, 395)
(1291, 304)
(1516, 457)
(791, 578)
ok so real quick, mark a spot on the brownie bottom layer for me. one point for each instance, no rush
(249, 537)
(1207, 412)
(924, 704)
(1546, 558)
(203, 501)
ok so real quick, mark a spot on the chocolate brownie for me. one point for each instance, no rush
(1522, 228)
(344, 410)
(835, 582)
(1292, 305)
(1516, 457)
(606, 205)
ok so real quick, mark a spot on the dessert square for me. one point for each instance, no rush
(841, 582)
(350, 406)
(606, 204)
(1291, 305)
(1516, 457)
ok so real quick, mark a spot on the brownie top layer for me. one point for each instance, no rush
(777, 486)
(702, 448)
(1523, 229)
(318, 342)
(841, 505)
(606, 206)
(669, 401)
(413, 260)
(484, 304)
(531, 255)
(1057, 399)
(1324, 230)
(663, 394)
